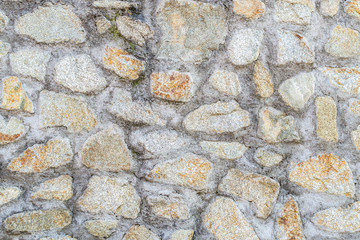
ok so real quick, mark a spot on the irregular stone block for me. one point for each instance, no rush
(294, 11)
(102, 24)
(326, 112)
(4, 48)
(14, 97)
(353, 8)
(329, 7)
(11, 131)
(170, 207)
(251, 9)
(58, 238)
(59, 188)
(354, 106)
(140, 232)
(8, 194)
(116, 4)
(355, 136)
(263, 80)
(134, 30)
(343, 42)
(327, 173)
(267, 158)
(224, 150)
(182, 235)
(226, 82)
(346, 79)
(101, 228)
(4, 20)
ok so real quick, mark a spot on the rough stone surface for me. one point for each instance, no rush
(102, 25)
(170, 207)
(326, 173)
(4, 20)
(343, 42)
(261, 190)
(182, 235)
(226, 82)
(346, 79)
(8, 194)
(4, 48)
(329, 7)
(59, 188)
(224, 150)
(355, 136)
(140, 232)
(134, 30)
(354, 106)
(58, 238)
(252, 9)
(294, 11)
(267, 158)
(353, 8)
(326, 112)
(14, 96)
(101, 228)
(110, 195)
(116, 4)
(12, 130)
(263, 80)
(225, 221)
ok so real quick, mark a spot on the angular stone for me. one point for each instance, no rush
(329, 8)
(353, 8)
(190, 29)
(62, 110)
(40, 157)
(14, 97)
(355, 136)
(354, 106)
(326, 112)
(244, 46)
(8, 194)
(140, 232)
(52, 24)
(134, 30)
(169, 207)
(258, 189)
(294, 48)
(267, 158)
(117, 4)
(294, 11)
(289, 222)
(34, 221)
(225, 221)
(58, 238)
(224, 150)
(226, 82)
(252, 9)
(346, 79)
(343, 42)
(263, 80)
(327, 173)
(173, 86)
(30, 62)
(4, 20)
(182, 235)
(101, 228)
(123, 107)
(110, 195)
(340, 220)
(11, 131)
(102, 24)
(210, 118)
(190, 171)
(59, 188)
(275, 126)
(79, 74)
(4, 48)
(297, 90)
(107, 151)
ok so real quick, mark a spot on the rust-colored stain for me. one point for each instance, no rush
(14, 97)
(353, 8)
(290, 221)
(355, 107)
(250, 9)
(8, 138)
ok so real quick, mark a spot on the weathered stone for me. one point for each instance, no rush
(327, 173)
(58, 238)
(340, 220)
(211, 118)
(140, 232)
(61, 110)
(355, 136)
(51, 24)
(4, 48)
(107, 151)
(110, 195)
(123, 107)
(354, 106)
(170, 207)
(224, 150)
(190, 171)
(275, 126)
(8, 194)
(59, 188)
(102, 24)
(34, 221)
(294, 11)
(346, 79)
(79, 74)
(250, 9)
(14, 97)
(226, 82)
(182, 235)
(343, 42)
(294, 48)
(263, 80)
(225, 221)
(297, 90)
(329, 7)
(117, 4)
(4, 20)
(173, 86)
(326, 112)
(261, 190)
(244, 46)
(353, 8)
(134, 30)
(11, 131)
(190, 29)
(101, 228)
(122, 63)
(30, 62)
(289, 222)
(267, 158)
(40, 157)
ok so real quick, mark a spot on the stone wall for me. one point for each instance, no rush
(179, 119)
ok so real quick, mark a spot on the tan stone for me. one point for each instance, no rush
(101, 228)
(134, 30)
(263, 80)
(4, 48)
(140, 232)
(122, 63)
(190, 171)
(173, 86)
(343, 42)
(34, 221)
(267, 158)
(226, 82)
(62, 110)
(59, 188)
(58, 238)
(8, 194)
(354, 106)
(182, 235)
(329, 7)
(326, 173)
(261, 190)
(110, 195)
(225, 221)
(12, 130)
(14, 97)
(294, 11)
(249, 8)
(346, 79)
(355, 136)
(102, 24)
(353, 8)
(289, 222)
(40, 157)
(224, 150)
(326, 112)
(170, 207)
